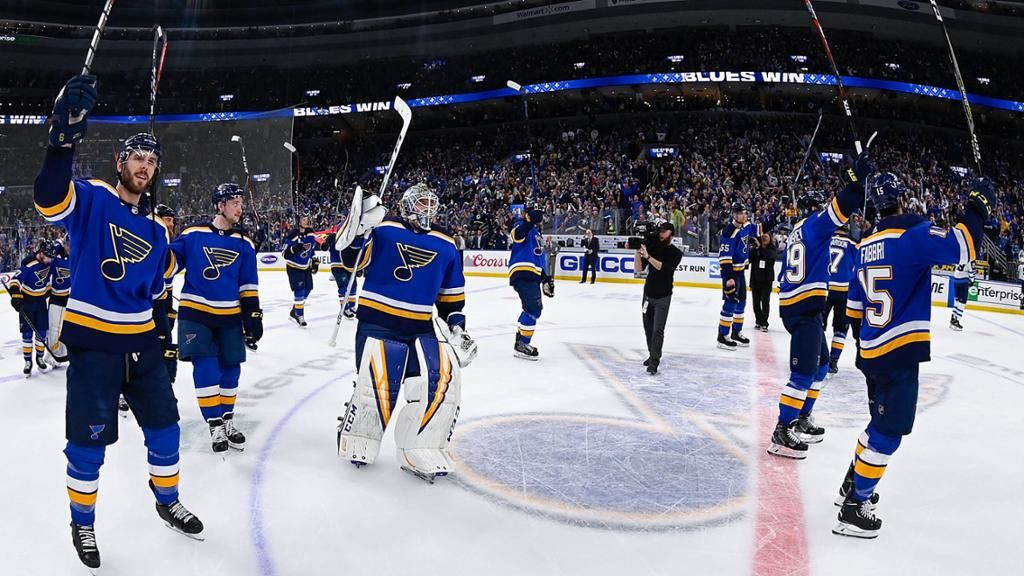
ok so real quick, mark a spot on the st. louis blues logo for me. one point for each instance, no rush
(63, 274)
(189, 338)
(306, 248)
(41, 276)
(128, 249)
(218, 258)
(412, 257)
(95, 431)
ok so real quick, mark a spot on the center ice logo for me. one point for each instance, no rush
(683, 458)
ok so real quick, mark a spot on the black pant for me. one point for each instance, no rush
(589, 263)
(655, 317)
(762, 296)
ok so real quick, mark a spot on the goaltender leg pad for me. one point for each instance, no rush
(381, 371)
(56, 320)
(426, 422)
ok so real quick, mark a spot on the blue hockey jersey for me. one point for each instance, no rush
(840, 269)
(528, 260)
(734, 251)
(298, 249)
(117, 262)
(894, 294)
(60, 281)
(407, 274)
(31, 284)
(805, 271)
(220, 275)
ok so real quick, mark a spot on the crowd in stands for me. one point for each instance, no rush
(185, 90)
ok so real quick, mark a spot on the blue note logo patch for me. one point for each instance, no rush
(128, 249)
(218, 258)
(412, 257)
(95, 430)
(63, 274)
(41, 277)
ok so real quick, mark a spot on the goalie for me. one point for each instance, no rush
(410, 267)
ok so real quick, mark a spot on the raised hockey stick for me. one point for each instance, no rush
(295, 181)
(405, 112)
(159, 56)
(840, 89)
(94, 44)
(529, 141)
(248, 180)
(807, 154)
(975, 148)
(32, 327)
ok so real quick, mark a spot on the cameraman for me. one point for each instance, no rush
(660, 257)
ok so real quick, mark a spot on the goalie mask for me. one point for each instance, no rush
(419, 206)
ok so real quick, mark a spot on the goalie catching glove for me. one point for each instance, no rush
(364, 215)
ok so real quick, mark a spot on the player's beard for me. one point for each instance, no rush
(128, 181)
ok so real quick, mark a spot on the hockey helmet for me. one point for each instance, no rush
(886, 191)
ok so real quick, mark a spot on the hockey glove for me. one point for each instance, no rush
(729, 291)
(862, 167)
(252, 326)
(16, 301)
(314, 265)
(548, 287)
(73, 104)
(373, 213)
(982, 198)
(464, 346)
(171, 359)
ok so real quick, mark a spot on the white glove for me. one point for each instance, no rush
(373, 213)
(464, 346)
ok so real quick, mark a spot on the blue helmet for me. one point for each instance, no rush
(886, 191)
(811, 200)
(143, 142)
(226, 192)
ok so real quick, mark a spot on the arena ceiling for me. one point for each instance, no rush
(219, 13)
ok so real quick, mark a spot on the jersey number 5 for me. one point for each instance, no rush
(879, 314)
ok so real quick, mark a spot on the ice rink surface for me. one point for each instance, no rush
(580, 463)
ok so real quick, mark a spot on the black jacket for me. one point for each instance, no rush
(762, 264)
(593, 246)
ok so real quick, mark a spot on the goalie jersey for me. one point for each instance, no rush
(220, 275)
(894, 269)
(527, 261)
(407, 274)
(118, 262)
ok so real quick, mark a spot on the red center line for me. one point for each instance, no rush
(780, 539)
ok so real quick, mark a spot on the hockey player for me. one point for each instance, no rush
(411, 267)
(60, 288)
(894, 301)
(220, 311)
(963, 279)
(301, 264)
(802, 297)
(1020, 278)
(732, 259)
(111, 328)
(840, 274)
(527, 269)
(342, 274)
(167, 215)
(29, 289)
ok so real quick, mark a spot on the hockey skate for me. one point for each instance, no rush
(955, 325)
(786, 443)
(810, 432)
(349, 312)
(833, 366)
(526, 352)
(84, 539)
(218, 436)
(41, 362)
(726, 344)
(235, 437)
(426, 464)
(857, 519)
(179, 519)
(740, 340)
(295, 317)
(27, 370)
(847, 487)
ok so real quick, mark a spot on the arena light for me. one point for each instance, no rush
(835, 157)
(261, 177)
(380, 170)
(312, 93)
(3, 189)
(579, 65)
(404, 85)
(984, 81)
(676, 58)
(226, 97)
(959, 170)
(477, 79)
(892, 66)
(798, 58)
(172, 182)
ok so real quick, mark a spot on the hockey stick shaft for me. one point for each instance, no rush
(32, 327)
(248, 181)
(159, 55)
(95, 42)
(840, 89)
(405, 113)
(975, 148)
(807, 154)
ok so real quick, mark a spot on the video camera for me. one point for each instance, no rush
(645, 234)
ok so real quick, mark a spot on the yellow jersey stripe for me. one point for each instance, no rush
(801, 297)
(109, 327)
(911, 338)
(363, 301)
(51, 211)
(210, 309)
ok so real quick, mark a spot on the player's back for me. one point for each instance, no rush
(894, 271)
(841, 249)
(805, 270)
(406, 274)
(33, 280)
(526, 262)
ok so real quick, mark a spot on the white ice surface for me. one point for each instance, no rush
(577, 464)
